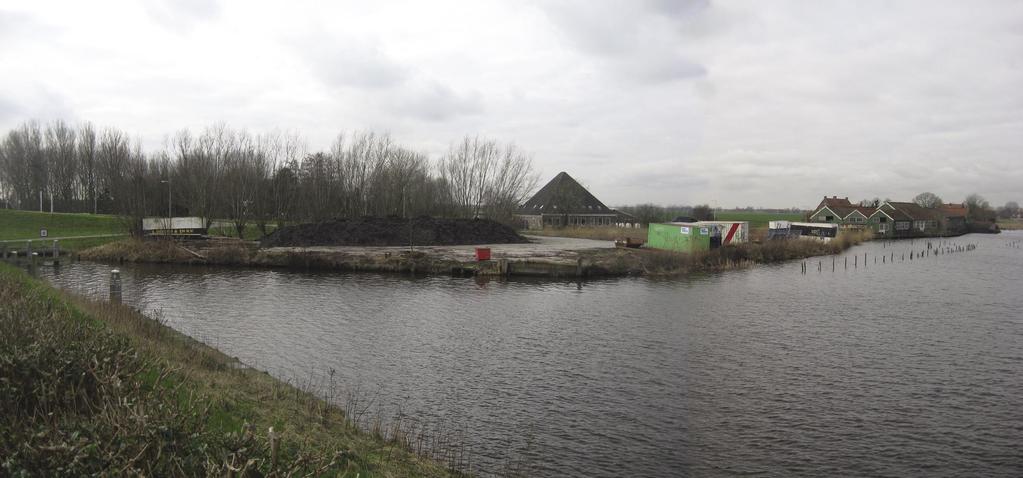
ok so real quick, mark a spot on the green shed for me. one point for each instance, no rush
(678, 237)
(696, 236)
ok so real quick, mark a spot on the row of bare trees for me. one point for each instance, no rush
(263, 179)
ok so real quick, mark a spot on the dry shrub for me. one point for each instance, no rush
(229, 254)
(138, 250)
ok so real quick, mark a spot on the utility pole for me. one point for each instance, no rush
(169, 213)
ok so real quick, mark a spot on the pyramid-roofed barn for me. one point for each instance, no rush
(564, 195)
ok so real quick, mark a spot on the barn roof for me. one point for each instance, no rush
(914, 211)
(564, 195)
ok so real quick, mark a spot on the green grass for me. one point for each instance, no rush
(92, 388)
(26, 224)
(758, 219)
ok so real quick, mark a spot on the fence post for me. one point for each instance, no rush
(115, 286)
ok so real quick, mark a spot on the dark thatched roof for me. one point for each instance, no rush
(564, 195)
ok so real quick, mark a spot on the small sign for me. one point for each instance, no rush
(685, 229)
(704, 231)
(42, 232)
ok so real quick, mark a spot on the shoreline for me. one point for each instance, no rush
(160, 402)
(555, 258)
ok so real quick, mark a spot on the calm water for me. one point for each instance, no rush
(911, 368)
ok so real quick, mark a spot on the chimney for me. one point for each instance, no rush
(847, 198)
(834, 197)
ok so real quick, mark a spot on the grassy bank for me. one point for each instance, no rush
(96, 388)
(25, 225)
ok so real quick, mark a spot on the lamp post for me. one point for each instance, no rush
(169, 215)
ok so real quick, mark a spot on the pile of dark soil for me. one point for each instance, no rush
(394, 231)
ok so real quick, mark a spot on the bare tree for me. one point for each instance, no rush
(927, 199)
(87, 164)
(977, 208)
(481, 173)
(703, 212)
(1009, 210)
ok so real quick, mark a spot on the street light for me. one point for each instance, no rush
(169, 215)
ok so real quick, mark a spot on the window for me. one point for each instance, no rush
(902, 226)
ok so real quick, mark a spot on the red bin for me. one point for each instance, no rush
(482, 253)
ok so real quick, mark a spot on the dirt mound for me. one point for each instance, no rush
(393, 231)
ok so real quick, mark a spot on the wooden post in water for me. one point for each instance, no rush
(28, 248)
(33, 261)
(3, 248)
(856, 259)
(832, 264)
(846, 262)
(56, 253)
(115, 286)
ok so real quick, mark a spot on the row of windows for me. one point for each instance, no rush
(580, 221)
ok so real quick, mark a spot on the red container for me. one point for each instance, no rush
(482, 253)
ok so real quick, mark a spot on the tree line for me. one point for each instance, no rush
(258, 179)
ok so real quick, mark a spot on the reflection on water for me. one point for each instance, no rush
(895, 368)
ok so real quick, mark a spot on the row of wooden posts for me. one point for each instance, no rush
(7, 253)
(932, 249)
(33, 257)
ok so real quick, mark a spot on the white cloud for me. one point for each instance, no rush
(772, 103)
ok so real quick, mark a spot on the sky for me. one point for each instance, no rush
(767, 103)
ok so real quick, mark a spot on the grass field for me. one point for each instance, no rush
(757, 219)
(25, 225)
(1010, 224)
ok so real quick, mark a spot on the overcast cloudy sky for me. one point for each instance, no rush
(767, 103)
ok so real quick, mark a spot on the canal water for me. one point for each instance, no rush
(894, 368)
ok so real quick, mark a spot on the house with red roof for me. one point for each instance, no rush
(892, 219)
